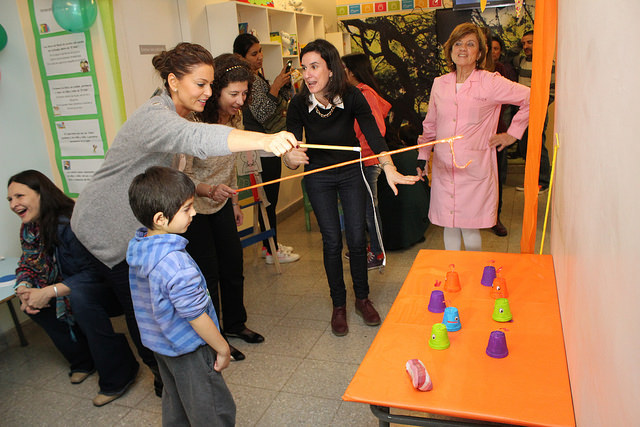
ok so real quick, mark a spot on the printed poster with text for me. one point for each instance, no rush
(73, 101)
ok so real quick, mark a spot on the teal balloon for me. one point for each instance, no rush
(3, 37)
(76, 16)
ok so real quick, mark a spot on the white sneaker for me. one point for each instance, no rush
(281, 248)
(284, 248)
(283, 258)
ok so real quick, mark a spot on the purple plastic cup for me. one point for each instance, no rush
(488, 274)
(436, 302)
(497, 346)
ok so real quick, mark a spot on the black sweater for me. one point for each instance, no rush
(337, 129)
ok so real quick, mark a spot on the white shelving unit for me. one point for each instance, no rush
(223, 19)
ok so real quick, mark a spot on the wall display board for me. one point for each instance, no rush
(72, 98)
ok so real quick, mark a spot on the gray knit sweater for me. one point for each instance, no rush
(102, 219)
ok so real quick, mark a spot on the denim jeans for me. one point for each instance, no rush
(324, 189)
(76, 351)
(92, 304)
(372, 173)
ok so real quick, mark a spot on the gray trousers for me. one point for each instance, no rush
(194, 394)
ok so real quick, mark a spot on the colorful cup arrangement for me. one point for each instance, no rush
(439, 339)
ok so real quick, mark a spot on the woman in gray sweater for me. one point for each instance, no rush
(102, 219)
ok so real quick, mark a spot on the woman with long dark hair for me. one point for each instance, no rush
(325, 110)
(59, 288)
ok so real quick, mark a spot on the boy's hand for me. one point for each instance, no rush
(222, 360)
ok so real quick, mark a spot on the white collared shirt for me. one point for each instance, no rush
(337, 101)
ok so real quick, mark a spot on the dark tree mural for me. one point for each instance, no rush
(406, 56)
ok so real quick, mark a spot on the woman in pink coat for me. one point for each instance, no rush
(467, 102)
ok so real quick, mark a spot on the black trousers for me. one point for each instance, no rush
(215, 246)
(271, 169)
(118, 279)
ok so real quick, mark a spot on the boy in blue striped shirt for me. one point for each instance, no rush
(174, 312)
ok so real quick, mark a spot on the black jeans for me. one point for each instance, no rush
(323, 189)
(271, 169)
(215, 246)
(92, 304)
(117, 278)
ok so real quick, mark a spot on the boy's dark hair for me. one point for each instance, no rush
(159, 189)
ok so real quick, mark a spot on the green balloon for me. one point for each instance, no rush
(76, 16)
(3, 37)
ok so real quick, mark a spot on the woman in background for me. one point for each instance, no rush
(467, 102)
(266, 112)
(213, 235)
(360, 74)
(59, 288)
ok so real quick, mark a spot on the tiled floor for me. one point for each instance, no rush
(295, 378)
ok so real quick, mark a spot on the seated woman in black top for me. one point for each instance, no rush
(325, 110)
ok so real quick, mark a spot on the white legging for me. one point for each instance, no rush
(471, 237)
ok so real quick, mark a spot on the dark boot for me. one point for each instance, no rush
(364, 307)
(339, 321)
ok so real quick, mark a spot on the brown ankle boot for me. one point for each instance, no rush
(339, 321)
(364, 307)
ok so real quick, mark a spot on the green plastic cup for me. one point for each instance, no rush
(501, 310)
(439, 337)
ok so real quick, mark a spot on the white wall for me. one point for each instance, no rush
(22, 140)
(143, 22)
(595, 223)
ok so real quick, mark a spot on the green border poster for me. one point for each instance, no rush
(72, 97)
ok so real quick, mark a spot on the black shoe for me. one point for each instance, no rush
(499, 229)
(247, 335)
(236, 355)
(157, 386)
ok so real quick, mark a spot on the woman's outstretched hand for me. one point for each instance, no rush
(279, 143)
(394, 178)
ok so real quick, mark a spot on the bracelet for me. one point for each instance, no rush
(284, 160)
(55, 289)
(210, 192)
(383, 164)
(234, 204)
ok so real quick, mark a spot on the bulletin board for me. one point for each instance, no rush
(67, 72)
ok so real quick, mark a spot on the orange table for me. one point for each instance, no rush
(530, 386)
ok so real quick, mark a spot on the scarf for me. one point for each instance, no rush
(40, 269)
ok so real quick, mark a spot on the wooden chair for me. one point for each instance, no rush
(252, 234)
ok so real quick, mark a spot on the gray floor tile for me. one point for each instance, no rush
(297, 410)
